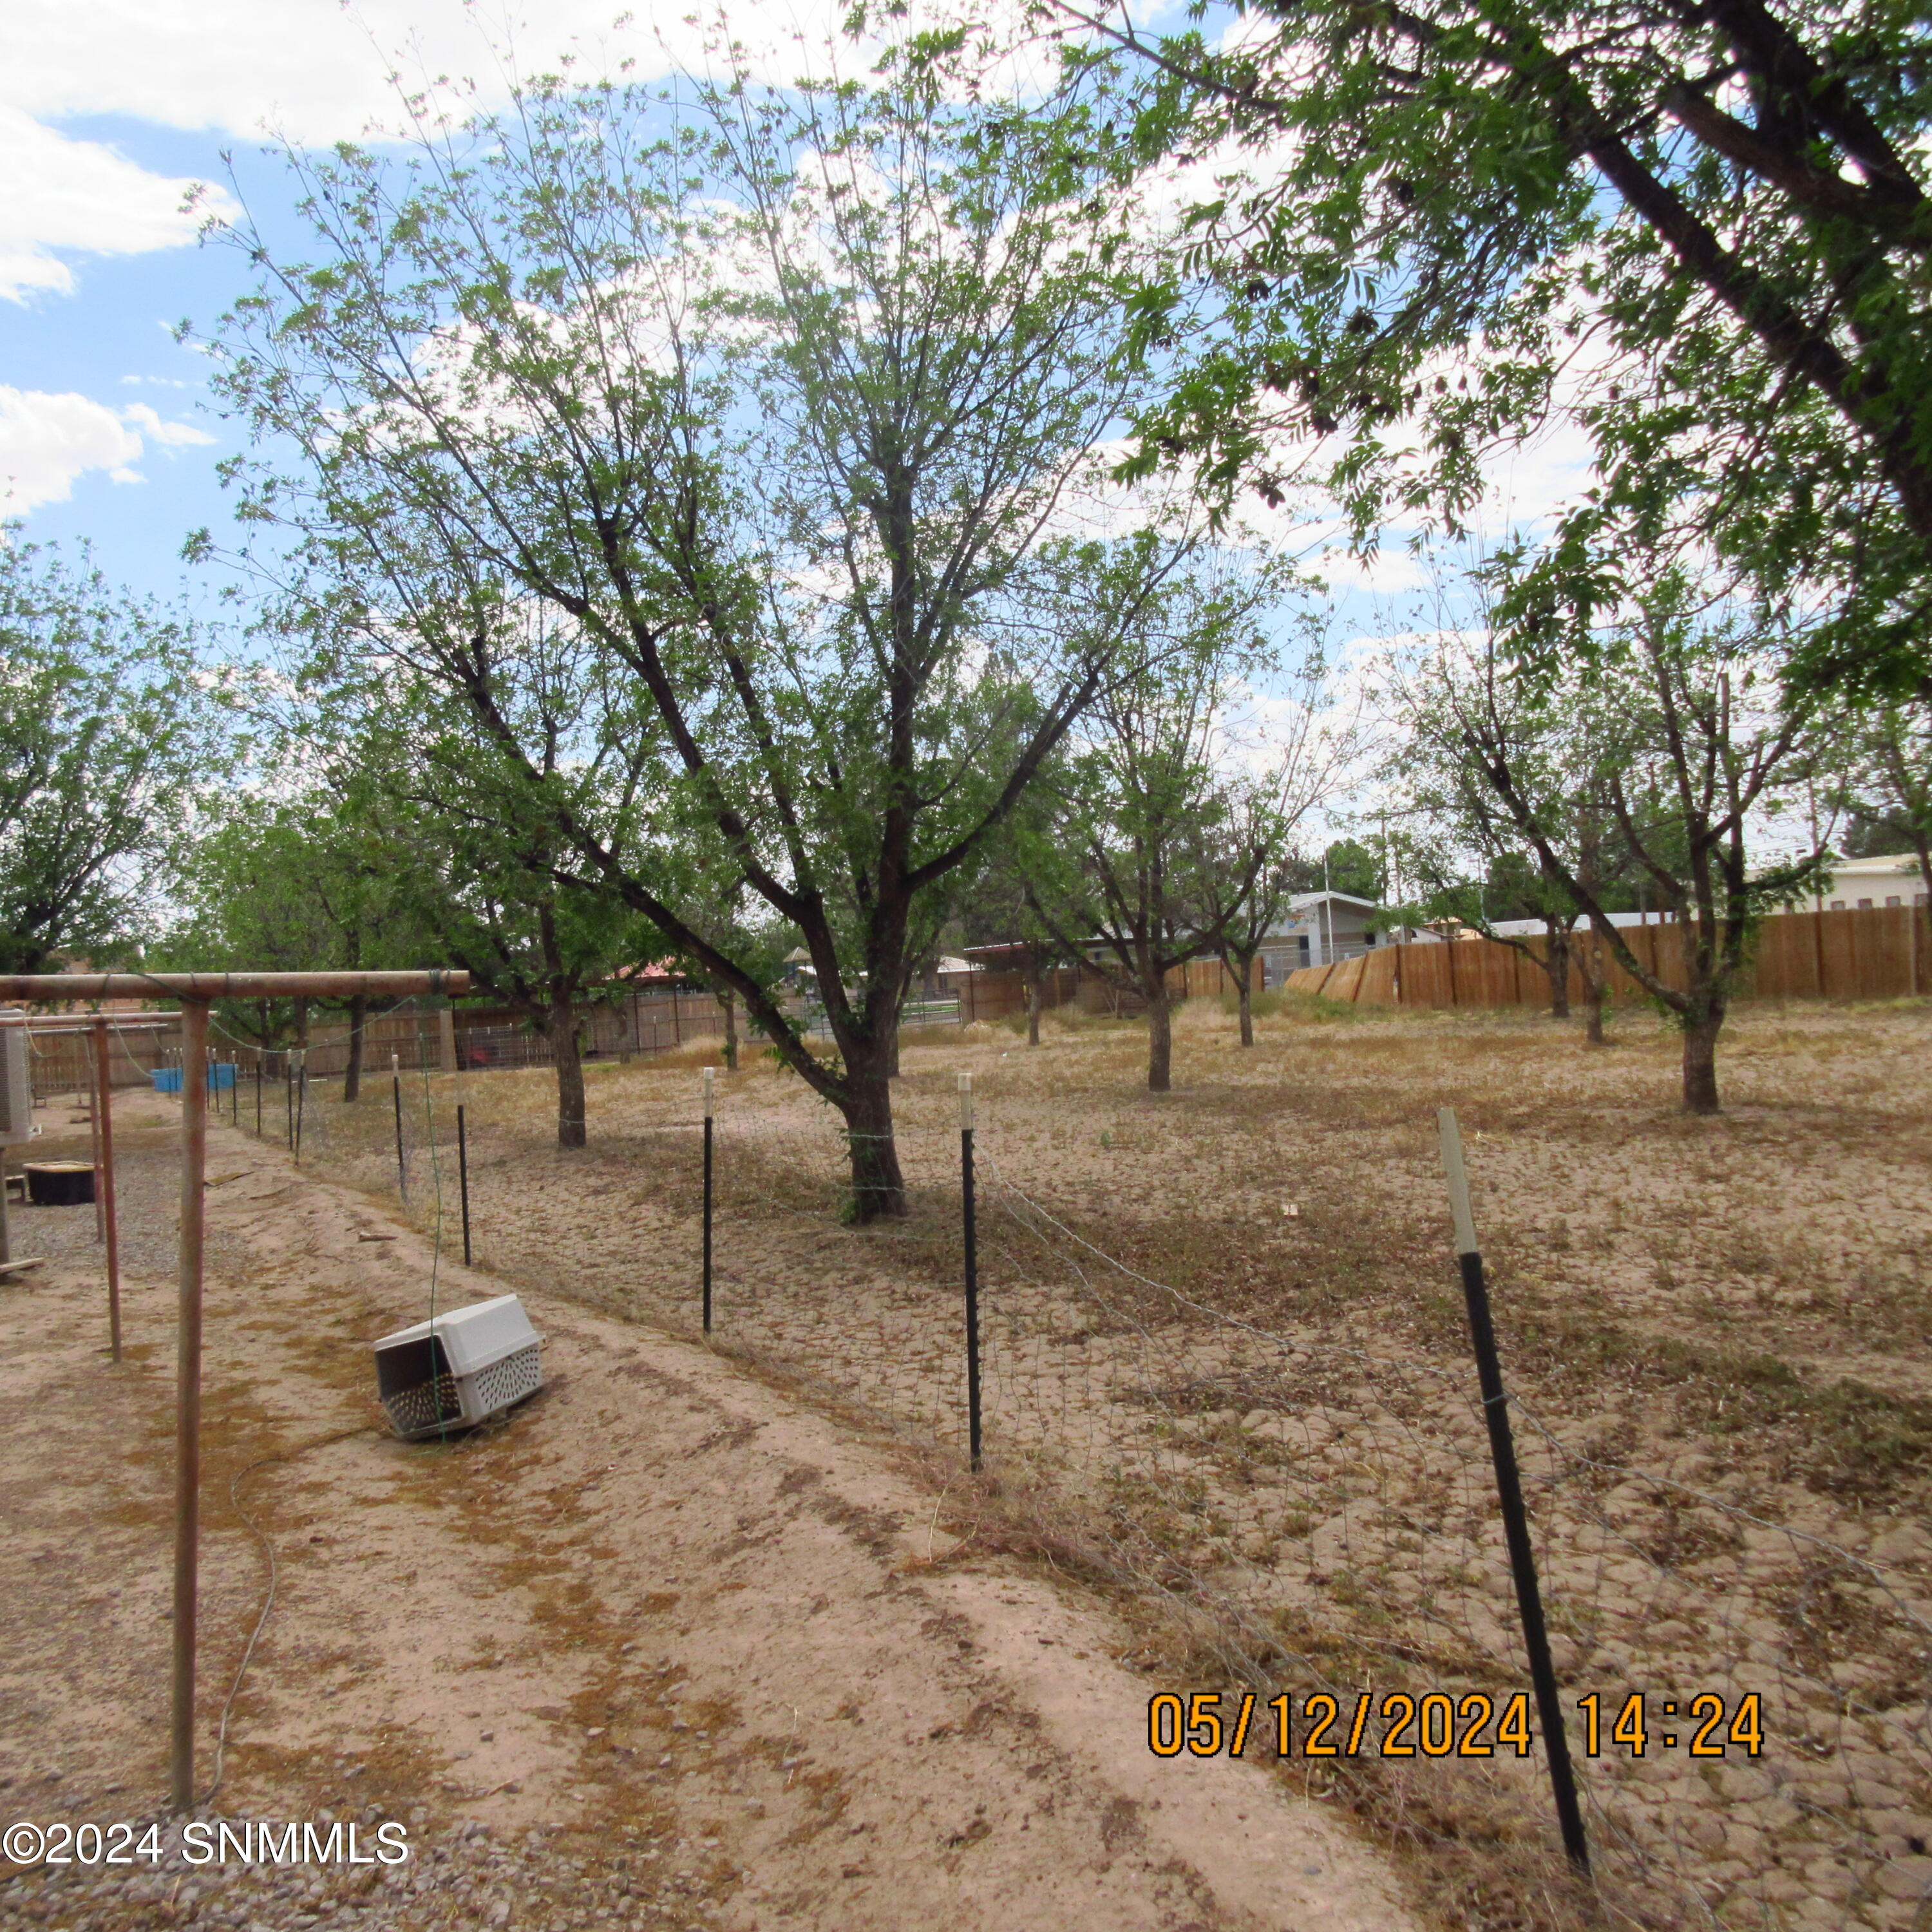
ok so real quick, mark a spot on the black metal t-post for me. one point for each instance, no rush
(258, 1093)
(709, 1105)
(396, 1088)
(463, 1177)
(1509, 1492)
(969, 1223)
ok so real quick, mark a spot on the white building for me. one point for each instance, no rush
(1319, 928)
(1535, 929)
(1892, 881)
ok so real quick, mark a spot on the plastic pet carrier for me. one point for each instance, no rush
(457, 1369)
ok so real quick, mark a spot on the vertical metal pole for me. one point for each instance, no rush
(463, 1161)
(6, 1232)
(105, 1192)
(289, 1097)
(1509, 1491)
(258, 1093)
(187, 1396)
(463, 1177)
(301, 1102)
(969, 1213)
(396, 1088)
(710, 1102)
(94, 1135)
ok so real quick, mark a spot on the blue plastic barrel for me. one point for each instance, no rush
(168, 1079)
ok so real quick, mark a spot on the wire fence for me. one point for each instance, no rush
(1314, 1509)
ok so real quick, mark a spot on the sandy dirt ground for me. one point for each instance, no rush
(675, 1645)
(1227, 1366)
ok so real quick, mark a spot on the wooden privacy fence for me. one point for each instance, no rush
(642, 1024)
(1874, 952)
(63, 1062)
(1000, 994)
(645, 1023)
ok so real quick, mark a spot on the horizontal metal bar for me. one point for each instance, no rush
(228, 985)
(87, 1022)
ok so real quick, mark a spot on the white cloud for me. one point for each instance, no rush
(76, 197)
(174, 435)
(318, 71)
(47, 441)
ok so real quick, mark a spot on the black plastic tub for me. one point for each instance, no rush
(60, 1184)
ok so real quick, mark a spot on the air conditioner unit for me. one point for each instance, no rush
(457, 1369)
(17, 1080)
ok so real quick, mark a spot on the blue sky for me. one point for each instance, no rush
(93, 358)
(109, 110)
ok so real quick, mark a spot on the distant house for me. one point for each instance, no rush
(75, 963)
(1318, 929)
(1892, 881)
(657, 977)
(1535, 928)
(942, 980)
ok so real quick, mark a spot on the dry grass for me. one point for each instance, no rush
(1259, 1421)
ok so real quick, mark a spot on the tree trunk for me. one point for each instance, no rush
(1596, 989)
(878, 1191)
(1596, 994)
(1160, 1039)
(892, 1051)
(1033, 1000)
(1556, 964)
(1701, 1028)
(352, 1077)
(729, 1001)
(561, 1027)
(1244, 980)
